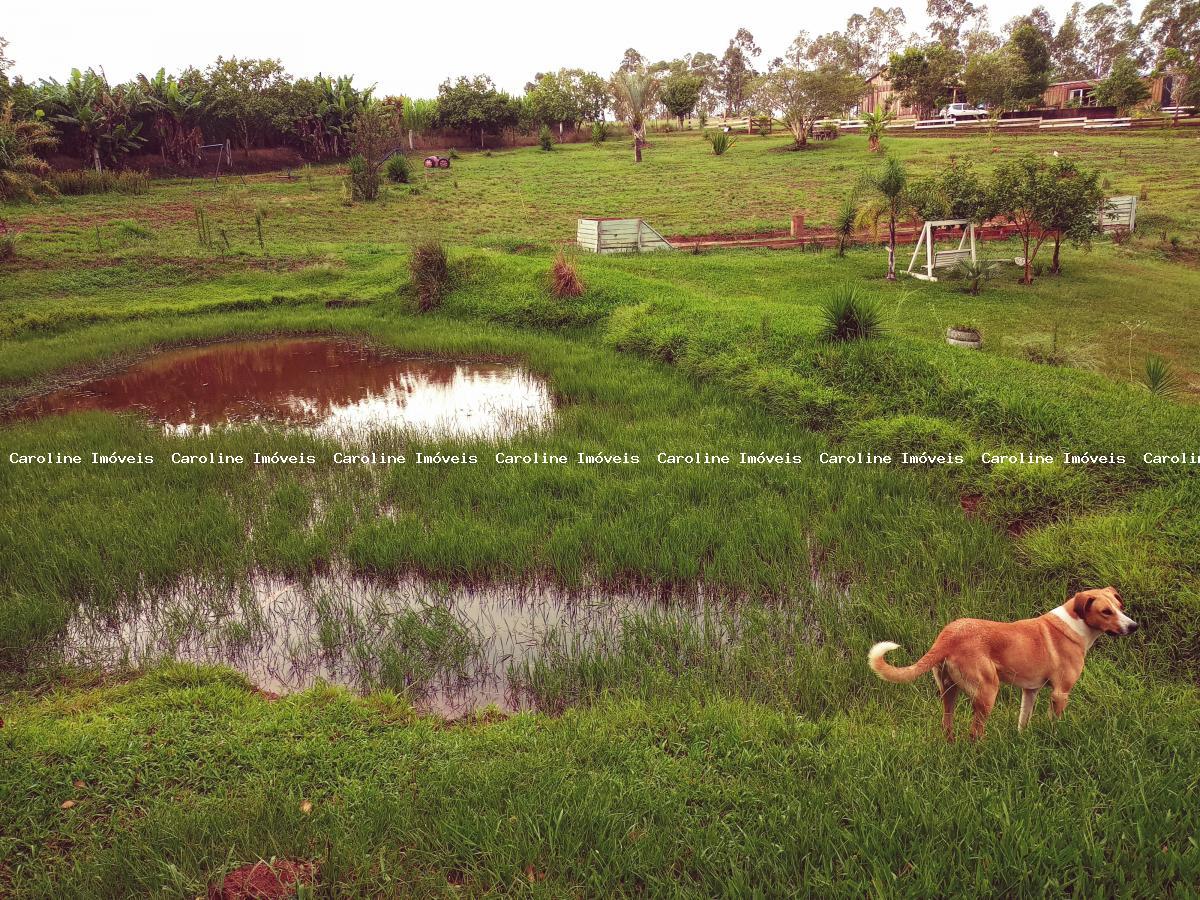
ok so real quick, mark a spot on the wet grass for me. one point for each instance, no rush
(693, 756)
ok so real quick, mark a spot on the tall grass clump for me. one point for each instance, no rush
(545, 139)
(599, 132)
(78, 182)
(849, 315)
(564, 277)
(397, 169)
(721, 142)
(363, 181)
(430, 274)
(845, 223)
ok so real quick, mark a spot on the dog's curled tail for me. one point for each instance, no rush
(904, 674)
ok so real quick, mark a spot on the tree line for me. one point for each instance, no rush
(257, 103)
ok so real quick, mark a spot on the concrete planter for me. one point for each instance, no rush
(959, 337)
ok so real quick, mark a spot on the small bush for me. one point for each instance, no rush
(847, 315)
(564, 278)
(78, 182)
(430, 274)
(545, 139)
(397, 169)
(1120, 236)
(1161, 379)
(721, 142)
(362, 182)
(975, 274)
(8, 247)
(599, 132)
(453, 154)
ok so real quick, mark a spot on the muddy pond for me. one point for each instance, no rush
(327, 386)
(450, 649)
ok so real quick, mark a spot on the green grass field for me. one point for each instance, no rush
(682, 760)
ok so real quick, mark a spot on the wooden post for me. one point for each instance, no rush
(797, 224)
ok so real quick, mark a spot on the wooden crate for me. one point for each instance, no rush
(601, 235)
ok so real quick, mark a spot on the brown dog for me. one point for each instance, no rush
(975, 655)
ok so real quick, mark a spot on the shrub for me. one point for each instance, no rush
(8, 247)
(564, 278)
(1161, 379)
(22, 170)
(599, 132)
(452, 154)
(545, 139)
(397, 169)
(847, 315)
(721, 142)
(77, 182)
(362, 182)
(430, 274)
(975, 273)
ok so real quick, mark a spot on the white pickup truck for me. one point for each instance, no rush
(962, 111)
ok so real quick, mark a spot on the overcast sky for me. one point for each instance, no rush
(410, 46)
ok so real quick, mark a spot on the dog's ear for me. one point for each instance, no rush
(1081, 604)
(1117, 594)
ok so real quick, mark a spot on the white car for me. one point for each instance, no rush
(963, 111)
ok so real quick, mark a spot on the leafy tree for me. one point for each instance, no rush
(802, 95)
(474, 105)
(1173, 24)
(22, 172)
(553, 99)
(924, 76)
(593, 95)
(1123, 88)
(1182, 74)
(736, 71)
(1029, 46)
(948, 19)
(246, 96)
(636, 93)
(887, 197)
(374, 136)
(1066, 49)
(994, 79)
(1108, 34)
(955, 192)
(680, 92)
(5, 65)
(632, 61)
(1071, 209)
(864, 47)
(1045, 201)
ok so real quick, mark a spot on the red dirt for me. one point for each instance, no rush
(970, 505)
(264, 881)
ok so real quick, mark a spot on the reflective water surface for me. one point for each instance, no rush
(325, 385)
(450, 649)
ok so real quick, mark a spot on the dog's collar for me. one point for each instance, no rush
(1076, 627)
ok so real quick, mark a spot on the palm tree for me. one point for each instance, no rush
(22, 173)
(874, 125)
(636, 93)
(888, 196)
(845, 223)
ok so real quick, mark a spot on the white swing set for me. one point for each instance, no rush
(941, 259)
